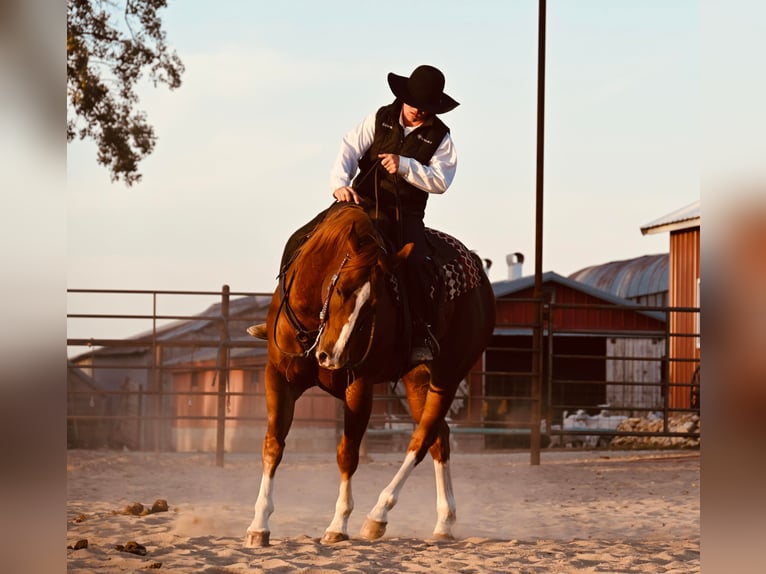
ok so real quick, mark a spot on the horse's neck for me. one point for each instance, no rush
(308, 276)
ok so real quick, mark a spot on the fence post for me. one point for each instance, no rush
(140, 419)
(156, 380)
(539, 179)
(223, 376)
(537, 383)
(666, 375)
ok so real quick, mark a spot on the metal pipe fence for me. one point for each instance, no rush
(199, 377)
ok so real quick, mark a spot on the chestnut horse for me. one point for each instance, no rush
(333, 322)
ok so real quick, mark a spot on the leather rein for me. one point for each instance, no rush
(303, 335)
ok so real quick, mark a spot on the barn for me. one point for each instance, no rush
(642, 280)
(683, 226)
(603, 351)
(147, 379)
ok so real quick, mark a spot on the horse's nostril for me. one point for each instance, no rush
(322, 356)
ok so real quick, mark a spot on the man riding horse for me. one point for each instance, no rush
(393, 160)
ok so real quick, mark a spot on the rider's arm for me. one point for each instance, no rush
(353, 146)
(435, 177)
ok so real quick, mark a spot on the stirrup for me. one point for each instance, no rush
(421, 354)
(258, 331)
(425, 348)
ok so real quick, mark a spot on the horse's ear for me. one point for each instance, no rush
(404, 252)
(389, 263)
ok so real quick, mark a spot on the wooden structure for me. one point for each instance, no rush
(584, 347)
(145, 380)
(85, 399)
(684, 226)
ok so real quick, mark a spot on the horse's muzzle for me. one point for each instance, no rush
(327, 361)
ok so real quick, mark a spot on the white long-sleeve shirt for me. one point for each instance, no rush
(435, 177)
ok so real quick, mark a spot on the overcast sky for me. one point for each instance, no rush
(246, 144)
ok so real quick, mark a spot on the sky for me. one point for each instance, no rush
(245, 145)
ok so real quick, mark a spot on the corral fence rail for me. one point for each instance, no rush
(623, 374)
(202, 372)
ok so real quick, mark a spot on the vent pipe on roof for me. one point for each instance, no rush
(515, 263)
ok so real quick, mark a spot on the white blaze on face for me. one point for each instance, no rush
(362, 295)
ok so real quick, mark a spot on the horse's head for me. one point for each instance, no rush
(353, 290)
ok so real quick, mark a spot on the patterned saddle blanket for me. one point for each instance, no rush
(454, 269)
(458, 270)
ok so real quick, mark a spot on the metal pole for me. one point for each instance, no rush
(666, 377)
(538, 331)
(156, 382)
(223, 376)
(140, 419)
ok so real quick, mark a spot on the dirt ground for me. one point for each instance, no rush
(594, 511)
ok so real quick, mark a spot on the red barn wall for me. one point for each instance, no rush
(684, 273)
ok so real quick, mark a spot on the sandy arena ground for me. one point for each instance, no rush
(576, 512)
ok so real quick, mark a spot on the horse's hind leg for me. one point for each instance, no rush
(358, 405)
(280, 404)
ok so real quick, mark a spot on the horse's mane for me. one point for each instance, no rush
(332, 236)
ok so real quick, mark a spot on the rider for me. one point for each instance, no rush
(417, 156)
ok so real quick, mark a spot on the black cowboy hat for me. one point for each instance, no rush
(424, 90)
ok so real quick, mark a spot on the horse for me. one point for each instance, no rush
(333, 322)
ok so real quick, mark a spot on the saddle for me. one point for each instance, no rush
(452, 270)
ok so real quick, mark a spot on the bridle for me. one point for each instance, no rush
(303, 335)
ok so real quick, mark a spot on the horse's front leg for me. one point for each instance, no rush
(357, 408)
(428, 408)
(280, 405)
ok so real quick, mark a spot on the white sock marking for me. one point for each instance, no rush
(343, 508)
(264, 506)
(390, 494)
(446, 513)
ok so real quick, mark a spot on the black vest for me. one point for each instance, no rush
(421, 143)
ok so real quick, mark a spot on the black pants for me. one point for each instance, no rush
(416, 272)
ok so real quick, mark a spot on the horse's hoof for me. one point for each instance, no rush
(372, 529)
(257, 539)
(442, 537)
(334, 537)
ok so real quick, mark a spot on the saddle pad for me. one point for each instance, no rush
(460, 270)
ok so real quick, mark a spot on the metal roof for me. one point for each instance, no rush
(248, 305)
(511, 286)
(629, 278)
(684, 218)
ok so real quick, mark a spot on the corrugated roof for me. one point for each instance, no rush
(243, 306)
(247, 305)
(510, 286)
(688, 216)
(629, 278)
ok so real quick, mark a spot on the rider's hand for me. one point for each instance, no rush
(345, 193)
(390, 162)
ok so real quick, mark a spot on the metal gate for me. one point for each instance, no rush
(603, 386)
